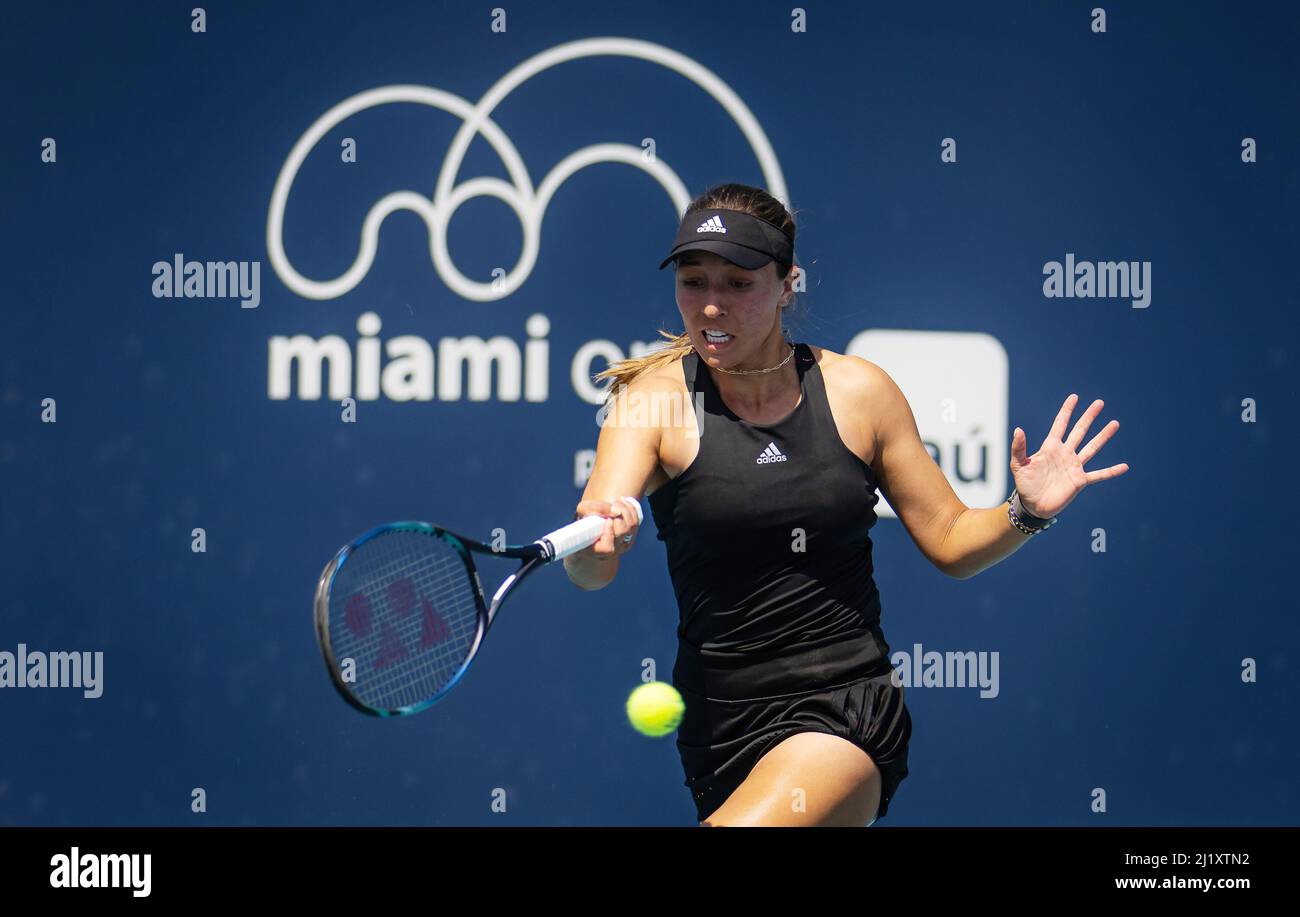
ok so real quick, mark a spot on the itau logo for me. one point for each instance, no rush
(956, 383)
(529, 201)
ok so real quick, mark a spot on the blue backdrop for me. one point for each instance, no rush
(1120, 670)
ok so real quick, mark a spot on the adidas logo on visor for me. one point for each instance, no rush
(771, 454)
(712, 224)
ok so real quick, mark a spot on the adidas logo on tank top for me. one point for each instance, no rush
(771, 454)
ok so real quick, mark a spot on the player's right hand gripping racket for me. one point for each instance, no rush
(400, 612)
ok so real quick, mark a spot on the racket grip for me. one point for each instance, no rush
(581, 534)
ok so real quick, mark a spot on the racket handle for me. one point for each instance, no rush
(581, 534)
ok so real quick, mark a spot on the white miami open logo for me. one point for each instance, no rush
(528, 202)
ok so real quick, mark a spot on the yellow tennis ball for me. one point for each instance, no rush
(655, 708)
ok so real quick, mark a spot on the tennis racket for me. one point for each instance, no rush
(400, 612)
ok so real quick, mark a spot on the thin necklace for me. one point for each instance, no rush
(750, 372)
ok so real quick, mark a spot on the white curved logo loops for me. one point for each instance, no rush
(529, 203)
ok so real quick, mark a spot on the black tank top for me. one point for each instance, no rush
(767, 530)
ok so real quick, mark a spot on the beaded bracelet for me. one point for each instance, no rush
(1024, 520)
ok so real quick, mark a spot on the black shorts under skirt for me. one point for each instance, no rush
(737, 711)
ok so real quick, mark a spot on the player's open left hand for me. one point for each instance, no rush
(1053, 476)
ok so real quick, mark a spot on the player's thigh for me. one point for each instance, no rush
(807, 779)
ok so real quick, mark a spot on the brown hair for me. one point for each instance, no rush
(754, 201)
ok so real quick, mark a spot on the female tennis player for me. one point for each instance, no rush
(764, 502)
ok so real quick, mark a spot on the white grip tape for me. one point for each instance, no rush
(581, 534)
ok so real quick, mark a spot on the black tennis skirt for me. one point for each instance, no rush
(737, 709)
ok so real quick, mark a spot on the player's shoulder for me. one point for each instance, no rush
(865, 384)
(663, 377)
(853, 375)
(655, 396)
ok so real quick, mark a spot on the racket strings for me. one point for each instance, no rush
(403, 609)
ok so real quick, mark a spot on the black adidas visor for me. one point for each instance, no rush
(742, 239)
